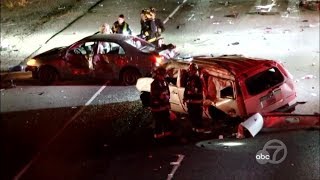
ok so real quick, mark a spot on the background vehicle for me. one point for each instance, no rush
(112, 56)
(235, 86)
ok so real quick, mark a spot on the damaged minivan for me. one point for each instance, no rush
(234, 86)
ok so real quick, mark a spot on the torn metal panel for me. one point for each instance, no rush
(254, 124)
(278, 121)
(290, 121)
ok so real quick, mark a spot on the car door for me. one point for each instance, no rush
(78, 59)
(222, 95)
(177, 92)
(110, 58)
(176, 99)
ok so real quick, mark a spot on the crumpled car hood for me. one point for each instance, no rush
(52, 53)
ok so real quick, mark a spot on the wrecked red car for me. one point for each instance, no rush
(235, 86)
(108, 57)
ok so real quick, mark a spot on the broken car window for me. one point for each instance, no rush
(264, 81)
(140, 44)
(115, 49)
(227, 92)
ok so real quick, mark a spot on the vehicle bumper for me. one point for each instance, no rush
(31, 68)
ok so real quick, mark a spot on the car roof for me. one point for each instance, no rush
(110, 37)
(229, 65)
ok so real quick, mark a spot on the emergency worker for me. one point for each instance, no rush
(144, 24)
(158, 22)
(193, 97)
(121, 26)
(151, 31)
(160, 106)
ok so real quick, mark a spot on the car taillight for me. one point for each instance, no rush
(158, 60)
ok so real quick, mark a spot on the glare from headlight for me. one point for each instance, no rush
(31, 62)
(231, 143)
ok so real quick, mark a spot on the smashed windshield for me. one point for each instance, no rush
(140, 44)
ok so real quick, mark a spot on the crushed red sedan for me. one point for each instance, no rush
(109, 57)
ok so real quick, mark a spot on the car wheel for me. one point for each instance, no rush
(35, 74)
(145, 99)
(47, 75)
(129, 76)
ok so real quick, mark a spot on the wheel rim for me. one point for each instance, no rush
(130, 77)
(47, 75)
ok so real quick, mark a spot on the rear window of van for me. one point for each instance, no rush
(264, 81)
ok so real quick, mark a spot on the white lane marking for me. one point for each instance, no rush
(26, 167)
(174, 11)
(175, 166)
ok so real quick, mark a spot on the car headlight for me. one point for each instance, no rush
(32, 62)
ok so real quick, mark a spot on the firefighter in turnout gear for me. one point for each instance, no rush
(121, 26)
(160, 105)
(193, 97)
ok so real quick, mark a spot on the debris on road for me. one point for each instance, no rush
(235, 43)
(225, 3)
(305, 26)
(61, 8)
(310, 76)
(230, 22)
(312, 5)
(286, 31)
(314, 94)
(277, 121)
(41, 93)
(291, 121)
(211, 17)
(266, 8)
(305, 20)
(12, 85)
(232, 15)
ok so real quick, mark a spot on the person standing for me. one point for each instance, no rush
(121, 26)
(158, 22)
(156, 27)
(160, 105)
(144, 24)
(193, 97)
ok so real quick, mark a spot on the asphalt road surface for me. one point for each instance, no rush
(96, 130)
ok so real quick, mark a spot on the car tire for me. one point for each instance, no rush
(145, 99)
(35, 74)
(129, 76)
(47, 75)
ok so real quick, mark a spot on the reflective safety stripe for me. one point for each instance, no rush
(124, 28)
(195, 101)
(152, 40)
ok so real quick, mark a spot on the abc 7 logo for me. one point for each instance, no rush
(264, 157)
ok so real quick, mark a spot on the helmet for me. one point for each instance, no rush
(160, 71)
(193, 66)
